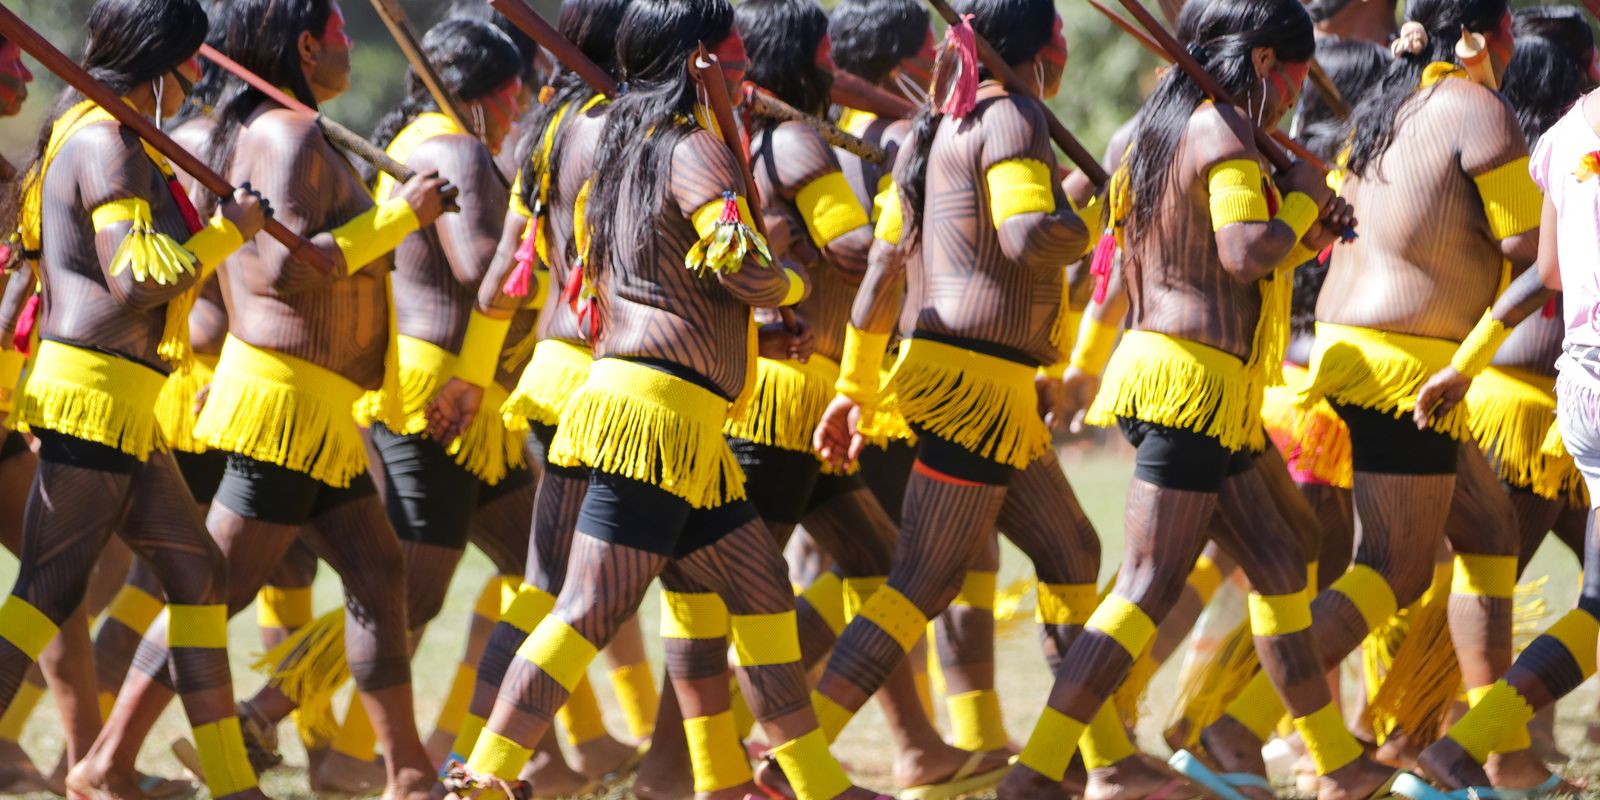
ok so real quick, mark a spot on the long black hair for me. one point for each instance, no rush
(871, 37)
(1355, 67)
(1018, 30)
(592, 26)
(1224, 34)
(471, 57)
(202, 97)
(1382, 115)
(1550, 69)
(263, 36)
(781, 38)
(645, 125)
(526, 46)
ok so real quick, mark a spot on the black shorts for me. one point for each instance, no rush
(778, 481)
(202, 472)
(429, 497)
(517, 478)
(886, 470)
(540, 435)
(948, 458)
(831, 486)
(15, 445)
(1178, 458)
(61, 448)
(281, 496)
(644, 516)
(1382, 443)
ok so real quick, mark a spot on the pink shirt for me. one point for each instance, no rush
(1577, 204)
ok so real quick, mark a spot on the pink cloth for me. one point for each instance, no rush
(1578, 221)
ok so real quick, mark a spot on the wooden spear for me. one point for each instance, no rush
(765, 104)
(565, 52)
(856, 92)
(14, 29)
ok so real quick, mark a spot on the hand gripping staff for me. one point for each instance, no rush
(14, 29)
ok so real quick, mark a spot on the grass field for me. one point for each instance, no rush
(1100, 480)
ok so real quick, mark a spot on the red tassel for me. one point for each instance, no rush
(1549, 310)
(730, 209)
(22, 340)
(963, 95)
(1272, 198)
(573, 290)
(1105, 252)
(520, 281)
(1327, 253)
(191, 217)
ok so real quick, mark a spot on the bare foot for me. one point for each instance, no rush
(602, 756)
(662, 777)
(551, 777)
(939, 764)
(1233, 748)
(1356, 780)
(1446, 764)
(1399, 751)
(94, 779)
(1022, 783)
(414, 784)
(1136, 777)
(18, 775)
(1523, 770)
(337, 773)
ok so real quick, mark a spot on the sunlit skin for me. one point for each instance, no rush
(499, 110)
(14, 79)
(327, 57)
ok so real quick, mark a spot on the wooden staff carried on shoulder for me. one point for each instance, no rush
(14, 29)
(763, 103)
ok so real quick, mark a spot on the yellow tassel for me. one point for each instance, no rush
(1208, 690)
(486, 448)
(175, 406)
(786, 403)
(558, 369)
(1179, 384)
(1315, 439)
(1510, 413)
(93, 396)
(1379, 370)
(309, 667)
(1422, 682)
(985, 404)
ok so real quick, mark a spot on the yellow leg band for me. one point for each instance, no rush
(356, 738)
(467, 737)
(498, 756)
(715, 753)
(1577, 631)
(1066, 603)
(1279, 614)
(16, 717)
(693, 615)
(559, 650)
(135, 608)
(856, 592)
(812, 771)
(1500, 710)
(1312, 573)
(488, 603)
(283, 608)
(1516, 738)
(223, 758)
(454, 707)
(1484, 576)
(743, 718)
(1051, 745)
(1328, 742)
(528, 608)
(761, 640)
(976, 723)
(580, 715)
(636, 692)
(1365, 589)
(25, 627)
(1205, 578)
(831, 717)
(1124, 622)
(198, 626)
(1105, 742)
(896, 615)
(825, 595)
(1257, 707)
(977, 591)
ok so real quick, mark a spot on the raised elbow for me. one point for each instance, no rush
(851, 253)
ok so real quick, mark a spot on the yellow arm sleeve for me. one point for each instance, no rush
(480, 348)
(891, 223)
(1093, 348)
(376, 231)
(1236, 195)
(1512, 202)
(214, 243)
(1477, 350)
(860, 365)
(1019, 186)
(830, 208)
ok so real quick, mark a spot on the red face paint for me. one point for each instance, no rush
(333, 34)
(14, 79)
(500, 106)
(825, 53)
(731, 55)
(919, 68)
(1287, 81)
(1503, 43)
(1056, 51)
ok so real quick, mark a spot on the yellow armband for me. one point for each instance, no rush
(150, 254)
(517, 205)
(214, 243)
(1477, 350)
(1299, 212)
(1019, 186)
(11, 363)
(1236, 194)
(480, 348)
(705, 218)
(860, 365)
(727, 235)
(797, 288)
(1512, 202)
(829, 208)
(1093, 214)
(1094, 346)
(891, 220)
(377, 231)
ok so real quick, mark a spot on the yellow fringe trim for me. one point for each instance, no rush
(786, 403)
(985, 404)
(1421, 682)
(1379, 370)
(425, 368)
(1208, 690)
(309, 667)
(94, 396)
(1314, 440)
(1510, 414)
(557, 371)
(1180, 384)
(175, 405)
(642, 423)
(283, 410)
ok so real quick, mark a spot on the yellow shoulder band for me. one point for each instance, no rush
(829, 208)
(377, 231)
(1512, 202)
(214, 243)
(861, 365)
(705, 217)
(480, 349)
(890, 217)
(1019, 186)
(1478, 349)
(1299, 212)
(1236, 196)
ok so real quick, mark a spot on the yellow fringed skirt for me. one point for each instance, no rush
(1379, 370)
(1164, 380)
(93, 396)
(642, 423)
(1314, 441)
(786, 403)
(1511, 413)
(485, 448)
(283, 410)
(175, 406)
(983, 403)
(558, 368)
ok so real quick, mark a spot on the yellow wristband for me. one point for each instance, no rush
(480, 348)
(1094, 346)
(377, 231)
(214, 243)
(1478, 349)
(861, 365)
(1299, 212)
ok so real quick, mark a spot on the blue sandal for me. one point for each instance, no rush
(1225, 785)
(1414, 788)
